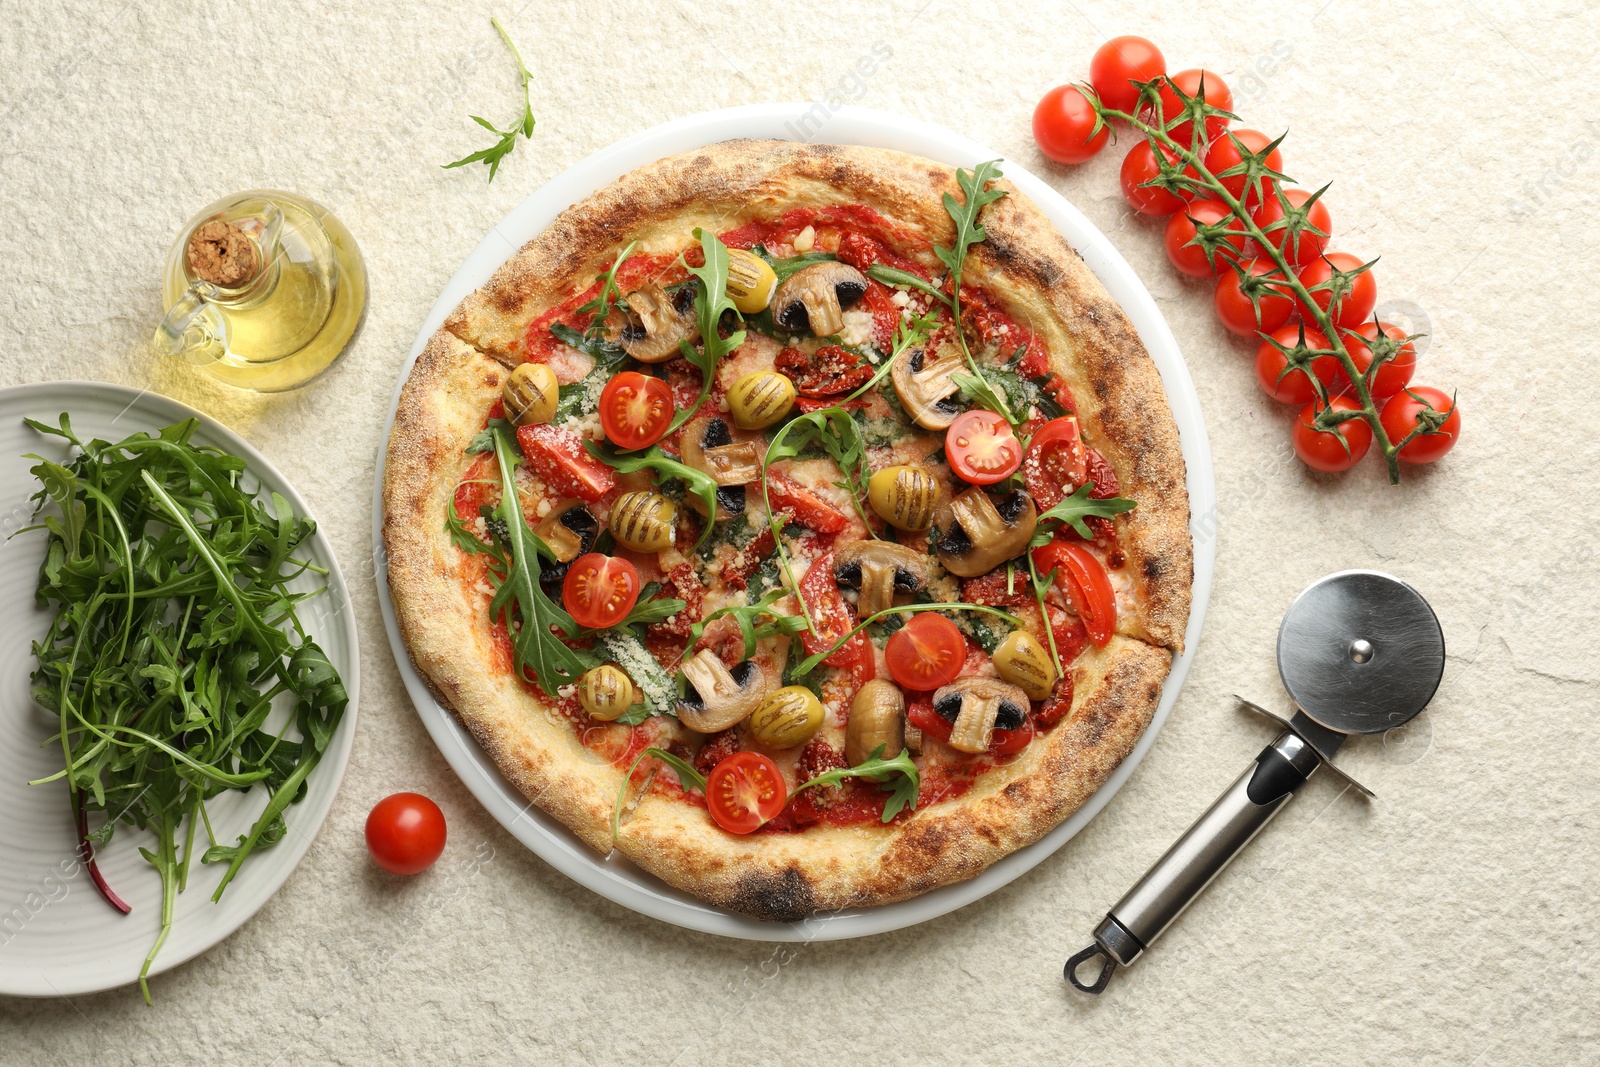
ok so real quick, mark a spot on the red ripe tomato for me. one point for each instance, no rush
(1191, 259)
(1119, 63)
(1326, 450)
(925, 653)
(1294, 387)
(1087, 583)
(1351, 309)
(1308, 246)
(1138, 167)
(1010, 742)
(981, 447)
(599, 590)
(635, 409)
(405, 833)
(1395, 373)
(1062, 125)
(1055, 463)
(920, 714)
(1224, 155)
(832, 617)
(1236, 311)
(1402, 414)
(557, 456)
(804, 506)
(745, 791)
(1216, 93)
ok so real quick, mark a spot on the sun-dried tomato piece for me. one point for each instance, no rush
(831, 370)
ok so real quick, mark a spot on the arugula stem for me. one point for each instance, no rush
(809, 664)
(165, 863)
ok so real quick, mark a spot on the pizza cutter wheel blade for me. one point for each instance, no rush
(1360, 652)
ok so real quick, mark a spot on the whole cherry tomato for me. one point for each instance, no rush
(1138, 167)
(1350, 309)
(1307, 246)
(1224, 154)
(405, 833)
(1331, 451)
(1063, 125)
(1405, 412)
(1190, 258)
(1395, 373)
(1119, 63)
(1239, 314)
(1292, 386)
(1201, 83)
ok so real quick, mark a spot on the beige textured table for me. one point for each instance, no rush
(1453, 920)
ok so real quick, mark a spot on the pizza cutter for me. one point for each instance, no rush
(1360, 652)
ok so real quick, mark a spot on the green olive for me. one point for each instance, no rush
(530, 394)
(904, 496)
(1026, 664)
(751, 281)
(643, 521)
(606, 692)
(760, 399)
(787, 718)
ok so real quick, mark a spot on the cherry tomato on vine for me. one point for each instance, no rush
(1395, 374)
(925, 653)
(745, 791)
(1401, 415)
(1216, 93)
(1062, 125)
(1325, 450)
(1191, 259)
(981, 447)
(635, 409)
(405, 833)
(600, 590)
(1138, 167)
(1236, 311)
(1294, 387)
(1119, 63)
(1351, 309)
(1087, 584)
(1224, 154)
(1308, 246)
(1055, 463)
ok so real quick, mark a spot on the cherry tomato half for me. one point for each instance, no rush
(1138, 167)
(1010, 742)
(1062, 123)
(1294, 387)
(1224, 154)
(1352, 308)
(1400, 416)
(925, 653)
(1087, 583)
(981, 447)
(405, 833)
(745, 791)
(635, 409)
(920, 714)
(1189, 258)
(1216, 93)
(833, 619)
(1327, 450)
(1395, 373)
(1308, 246)
(1119, 63)
(600, 590)
(1055, 463)
(1236, 311)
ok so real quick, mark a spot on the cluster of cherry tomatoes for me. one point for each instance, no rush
(1069, 130)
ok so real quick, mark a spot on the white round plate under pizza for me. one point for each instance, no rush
(849, 546)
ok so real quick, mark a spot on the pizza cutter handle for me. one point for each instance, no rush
(1199, 856)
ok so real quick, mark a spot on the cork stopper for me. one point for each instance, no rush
(223, 254)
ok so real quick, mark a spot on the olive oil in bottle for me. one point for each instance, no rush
(264, 290)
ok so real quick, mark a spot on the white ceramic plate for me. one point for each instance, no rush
(616, 878)
(57, 936)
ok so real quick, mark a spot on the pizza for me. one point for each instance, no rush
(849, 545)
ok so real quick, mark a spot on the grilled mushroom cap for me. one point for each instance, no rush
(716, 697)
(979, 534)
(708, 446)
(924, 386)
(879, 569)
(815, 297)
(657, 321)
(976, 706)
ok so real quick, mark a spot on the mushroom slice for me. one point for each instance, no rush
(718, 698)
(980, 534)
(815, 297)
(976, 706)
(925, 387)
(657, 321)
(879, 569)
(708, 446)
(570, 529)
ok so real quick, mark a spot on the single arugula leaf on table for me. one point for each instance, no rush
(666, 468)
(711, 301)
(902, 794)
(492, 156)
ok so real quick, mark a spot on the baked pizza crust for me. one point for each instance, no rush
(1040, 282)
